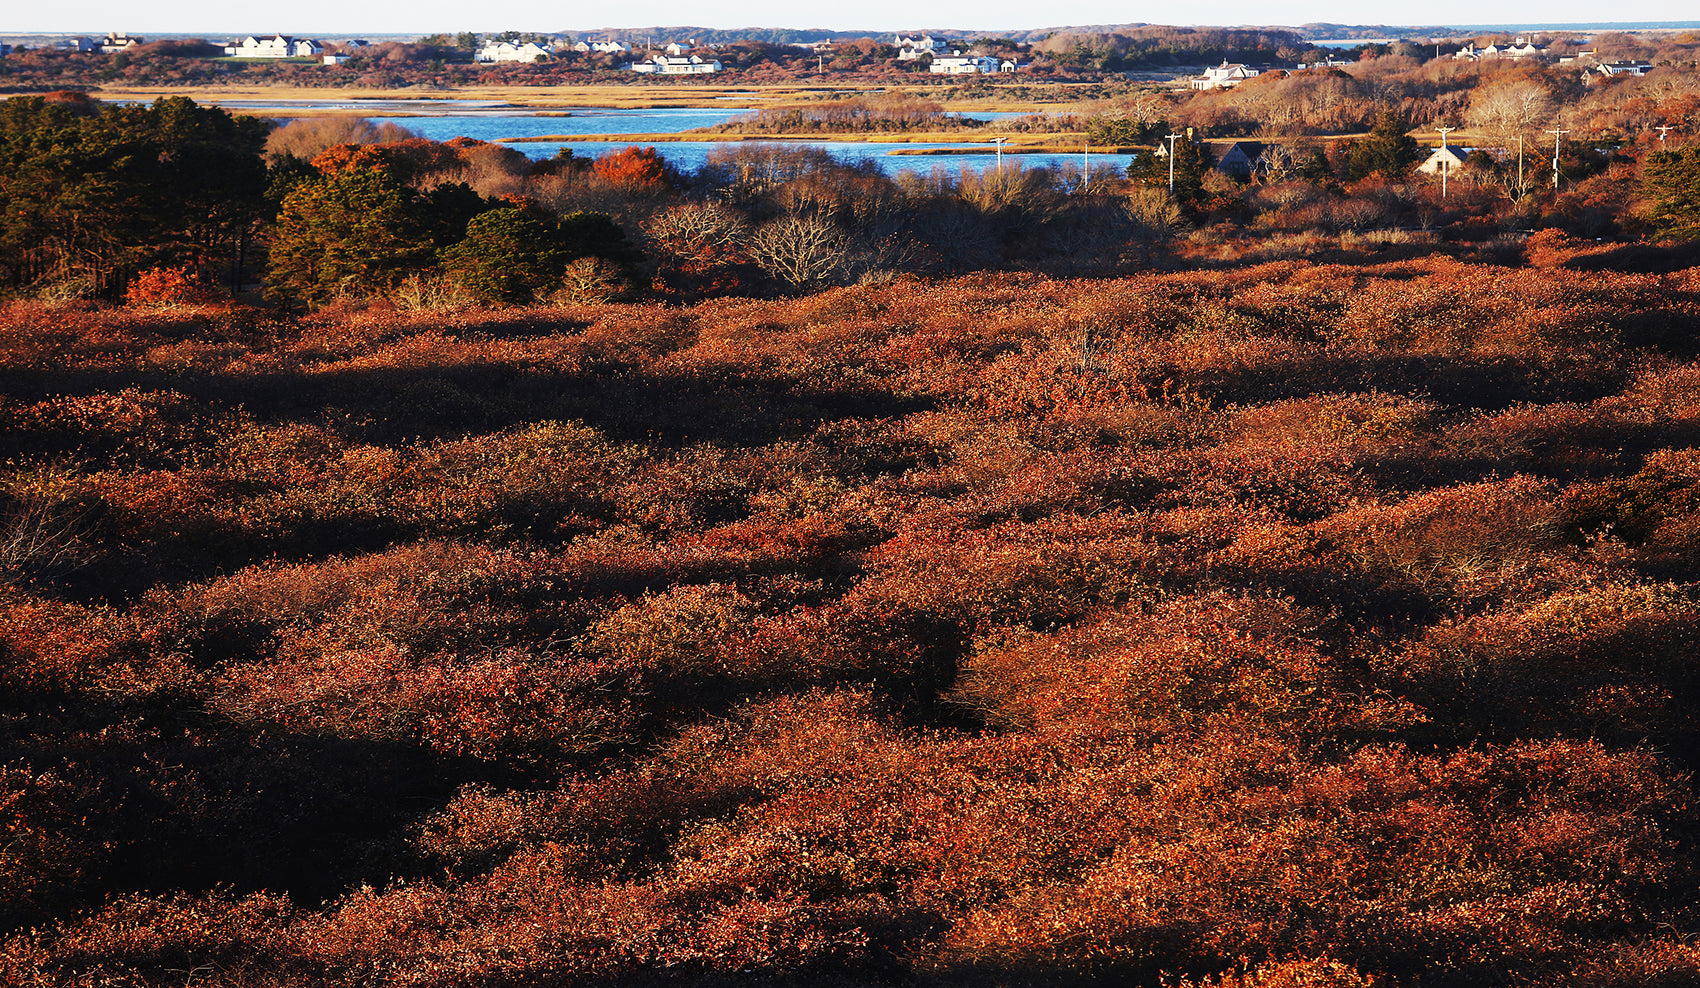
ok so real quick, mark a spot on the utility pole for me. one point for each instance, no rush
(1556, 136)
(821, 64)
(1172, 139)
(999, 142)
(1663, 129)
(1085, 166)
(1445, 161)
(1519, 166)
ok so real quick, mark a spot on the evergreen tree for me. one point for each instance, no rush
(1192, 162)
(517, 254)
(1672, 180)
(99, 192)
(509, 257)
(1388, 151)
(353, 232)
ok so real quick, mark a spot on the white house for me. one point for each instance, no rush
(338, 59)
(1444, 157)
(1224, 76)
(1614, 70)
(965, 64)
(1521, 48)
(677, 65)
(605, 47)
(118, 41)
(909, 49)
(508, 51)
(276, 46)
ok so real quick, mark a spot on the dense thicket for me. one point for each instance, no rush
(165, 202)
(1287, 625)
(95, 194)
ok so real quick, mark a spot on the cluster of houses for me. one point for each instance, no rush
(1230, 74)
(285, 46)
(1592, 67)
(113, 43)
(674, 59)
(274, 46)
(948, 59)
(944, 58)
(514, 51)
(1521, 48)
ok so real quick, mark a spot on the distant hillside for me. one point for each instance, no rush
(786, 35)
(1032, 34)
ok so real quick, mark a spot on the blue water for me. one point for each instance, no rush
(441, 120)
(525, 123)
(1538, 26)
(689, 156)
(1524, 27)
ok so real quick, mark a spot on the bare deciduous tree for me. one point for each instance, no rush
(1510, 107)
(800, 249)
(696, 229)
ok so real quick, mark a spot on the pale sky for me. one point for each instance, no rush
(333, 18)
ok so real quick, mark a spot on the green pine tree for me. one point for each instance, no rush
(1672, 180)
(1388, 151)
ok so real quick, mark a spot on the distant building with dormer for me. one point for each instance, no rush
(603, 47)
(510, 51)
(677, 65)
(1520, 49)
(1447, 158)
(275, 46)
(1619, 69)
(909, 49)
(1224, 76)
(118, 41)
(954, 64)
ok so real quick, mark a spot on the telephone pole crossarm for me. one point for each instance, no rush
(1557, 136)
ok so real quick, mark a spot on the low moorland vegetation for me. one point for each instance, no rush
(1294, 624)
